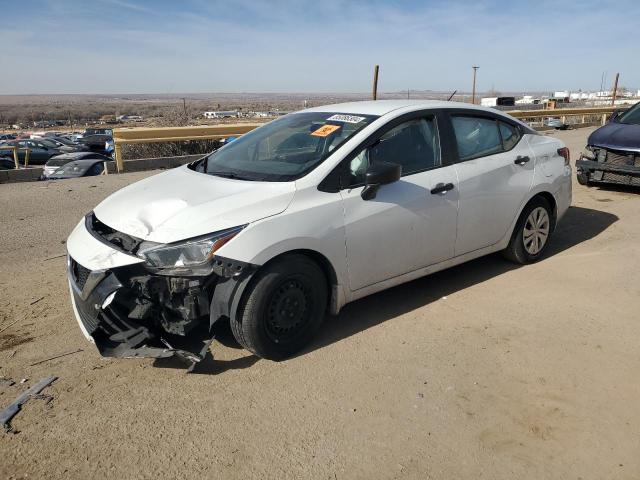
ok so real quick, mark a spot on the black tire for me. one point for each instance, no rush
(516, 250)
(583, 179)
(282, 308)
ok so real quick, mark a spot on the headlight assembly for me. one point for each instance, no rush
(190, 257)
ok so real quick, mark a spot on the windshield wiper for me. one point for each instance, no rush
(232, 175)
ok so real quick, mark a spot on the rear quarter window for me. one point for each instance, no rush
(510, 135)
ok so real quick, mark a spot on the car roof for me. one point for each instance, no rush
(81, 163)
(382, 107)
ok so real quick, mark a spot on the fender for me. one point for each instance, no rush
(234, 278)
(533, 193)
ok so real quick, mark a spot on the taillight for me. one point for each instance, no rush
(564, 153)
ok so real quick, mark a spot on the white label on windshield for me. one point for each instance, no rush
(345, 118)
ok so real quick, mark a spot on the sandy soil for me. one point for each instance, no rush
(483, 371)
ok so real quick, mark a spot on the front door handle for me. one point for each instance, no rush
(521, 160)
(441, 188)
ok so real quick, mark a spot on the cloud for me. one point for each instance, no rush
(137, 7)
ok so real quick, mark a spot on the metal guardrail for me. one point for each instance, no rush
(15, 154)
(128, 136)
(601, 112)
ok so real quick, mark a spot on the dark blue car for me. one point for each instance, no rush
(613, 151)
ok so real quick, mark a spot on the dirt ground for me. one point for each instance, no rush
(486, 370)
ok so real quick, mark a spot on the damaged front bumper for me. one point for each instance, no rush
(129, 311)
(611, 166)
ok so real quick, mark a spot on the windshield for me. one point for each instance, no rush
(285, 149)
(631, 116)
(49, 143)
(63, 140)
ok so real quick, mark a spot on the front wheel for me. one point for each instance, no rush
(583, 179)
(531, 235)
(283, 307)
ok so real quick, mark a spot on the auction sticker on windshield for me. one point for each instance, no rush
(345, 118)
(325, 130)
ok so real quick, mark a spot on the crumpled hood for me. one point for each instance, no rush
(181, 204)
(617, 136)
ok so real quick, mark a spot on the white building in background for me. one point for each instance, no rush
(576, 96)
(221, 114)
(528, 100)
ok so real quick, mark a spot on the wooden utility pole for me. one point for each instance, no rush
(184, 107)
(375, 82)
(473, 92)
(615, 90)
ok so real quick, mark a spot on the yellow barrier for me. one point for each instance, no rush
(603, 112)
(15, 154)
(556, 112)
(127, 136)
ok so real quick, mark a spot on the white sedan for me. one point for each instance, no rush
(305, 214)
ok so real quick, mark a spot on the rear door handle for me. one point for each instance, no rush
(441, 188)
(521, 160)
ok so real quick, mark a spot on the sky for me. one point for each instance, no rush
(144, 46)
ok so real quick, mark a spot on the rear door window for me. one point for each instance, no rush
(476, 136)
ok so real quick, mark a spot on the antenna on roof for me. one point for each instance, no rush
(451, 96)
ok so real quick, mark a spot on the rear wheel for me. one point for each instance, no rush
(283, 307)
(531, 235)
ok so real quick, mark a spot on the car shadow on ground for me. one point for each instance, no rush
(578, 225)
(210, 365)
(616, 187)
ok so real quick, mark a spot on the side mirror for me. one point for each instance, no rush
(379, 174)
(615, 115)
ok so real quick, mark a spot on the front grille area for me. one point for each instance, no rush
(80, 274)
(88, 316)
(622, 158)
(621, 179)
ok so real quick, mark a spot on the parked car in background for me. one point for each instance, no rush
(270, 232)
(7, 163)
(555, 123)
(98, 131)
(613, 151)
(59, 160)
(7, 136)
(78, 168)
(40, 151)
(96, 143)
(64, 145)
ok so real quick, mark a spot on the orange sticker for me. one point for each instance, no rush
(325, 130)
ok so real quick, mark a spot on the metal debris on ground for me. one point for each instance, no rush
(56, 356)
(36, 301)
(11, 324)
(57, 256)
(8, 413)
